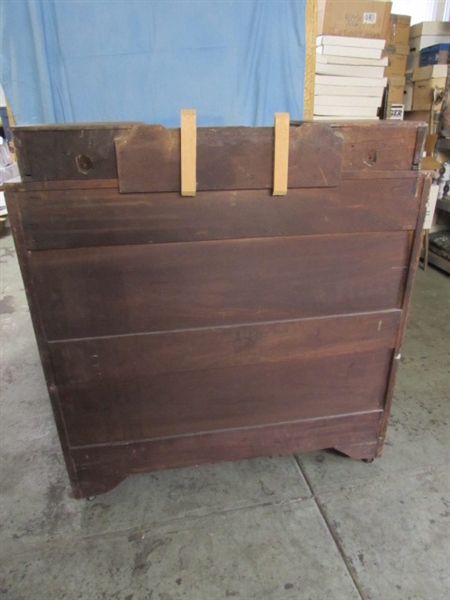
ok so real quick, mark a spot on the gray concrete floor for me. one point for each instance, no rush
(315, 526)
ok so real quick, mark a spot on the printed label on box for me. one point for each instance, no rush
(369, 18)
(397, 111)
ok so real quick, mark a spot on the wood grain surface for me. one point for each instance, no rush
(198, 381)
(112, 290)
(230, 156)
(101, 217)
(177, 331)
(102, 467)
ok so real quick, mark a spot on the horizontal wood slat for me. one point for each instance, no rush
(67, 219)
(102, 467)
(186, 402)
(90, 292)
(88, 152)
(62, 152)
(228, 158)
(117, 357)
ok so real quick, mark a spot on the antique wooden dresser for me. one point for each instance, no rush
(177, 330)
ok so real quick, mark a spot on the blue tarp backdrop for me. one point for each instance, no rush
(235, 61)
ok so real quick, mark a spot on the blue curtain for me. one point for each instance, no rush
(235, 61)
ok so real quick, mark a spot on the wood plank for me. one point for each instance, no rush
(281, 154)
(102, 467)
(377, 149)
(310, 58)
(422, 193)
(222, 377)
(36, 186)
(51, 152)
(69, 219)
(90, 292)
(185, 402)
(228, 158)
(188, 142)
(222, 347)
(79, 152)
(420, 145)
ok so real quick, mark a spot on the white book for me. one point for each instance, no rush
(359, 81)
(346, 111)
(348, 51)
(341, 118)
(352, 60)
(348, 90)
(324, 100)
(349, 70)
(352, 42)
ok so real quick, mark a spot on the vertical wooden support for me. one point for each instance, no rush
(188, 152)
(310, 58)
(281, 155)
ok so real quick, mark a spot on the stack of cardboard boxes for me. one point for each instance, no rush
(428, 68)
(396, 50)
(350, 79)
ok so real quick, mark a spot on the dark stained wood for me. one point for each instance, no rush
(363, 451)
(177, 331)
(420, 145)
(107, 408)
(69, 219)
(223, 347)
(368, 146)
(103, 467)
(377, 175)
(228, 158)
(56, 152)
(63, 184)
(423, 193)
(89, 184)
(228, 377)
(90, 292)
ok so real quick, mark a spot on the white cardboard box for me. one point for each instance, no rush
(430, 28)
(424, 41)
(431, 205)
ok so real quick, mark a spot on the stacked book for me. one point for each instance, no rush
(350, 80)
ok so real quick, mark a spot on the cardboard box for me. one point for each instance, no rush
(396, 90)
(430, 72)
(423, 92)
(430, 28)
(435, 55)
(426, 41)
(354, 18)
(396, 65)
(418, 115)
(413, 61)
(398, 33)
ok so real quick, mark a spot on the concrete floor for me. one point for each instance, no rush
(317, 526)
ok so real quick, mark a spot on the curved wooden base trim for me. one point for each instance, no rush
(365, 451)
(100, 468)
(98, 482)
